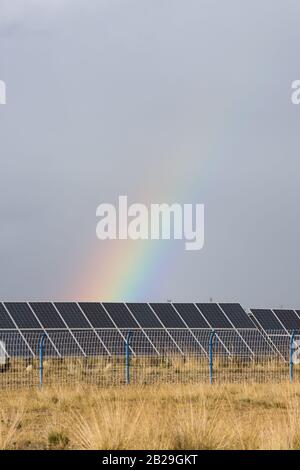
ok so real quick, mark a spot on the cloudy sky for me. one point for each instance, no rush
(163, 101)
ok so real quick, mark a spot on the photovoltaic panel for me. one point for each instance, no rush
(214, 315)
(47, 315)
(144, 315)
(5, 320)
(237, 315)
(72, 315)
(191, 315)
(168, 316)
(96, 315)
(288, 318)
(120, 315)
(266, 319)
(22, 315)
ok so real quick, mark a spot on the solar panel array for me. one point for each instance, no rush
(159, 328)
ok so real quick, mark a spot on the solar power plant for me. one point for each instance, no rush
(92, 328)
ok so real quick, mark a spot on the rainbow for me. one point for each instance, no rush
(133, 271)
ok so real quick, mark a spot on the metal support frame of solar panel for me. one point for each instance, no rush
(158, 336)
(226, 332)
(247, 329)
(274, 330)
(178, 329)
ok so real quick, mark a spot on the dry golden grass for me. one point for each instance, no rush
(152, 417)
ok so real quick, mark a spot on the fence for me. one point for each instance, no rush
(112, 358)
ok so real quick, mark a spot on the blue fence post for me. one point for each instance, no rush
(41, 355)
(211, 357)
(127, 356)
(291, 356)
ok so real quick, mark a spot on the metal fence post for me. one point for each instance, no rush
(127, 356)
(41, 355)
(211, 356)
(291, 356)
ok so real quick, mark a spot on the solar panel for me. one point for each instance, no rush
(214, 315)
(72, 315)
(191, 315)
(96, 315)
(266, 319)
(120, 315)
(22, 315)
(47, 315)
(5, 320)
(168, 316)
(237, 315)
(288, 318)
(144, 315)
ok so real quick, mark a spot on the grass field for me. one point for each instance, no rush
(152, 417)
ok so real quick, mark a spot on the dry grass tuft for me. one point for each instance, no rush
(179, 417)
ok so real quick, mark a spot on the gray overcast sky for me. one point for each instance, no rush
(165, 101)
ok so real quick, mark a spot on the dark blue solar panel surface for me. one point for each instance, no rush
(72, 315)
(289, 319)
(47, 315)
(144, 315)
(96, 315)
(237, 315)
(120, 315)
(168, 316)
(22, 315)
(5, 320)
(214, 315)
(191, 315)
(267, 319)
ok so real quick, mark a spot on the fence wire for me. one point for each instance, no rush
(105, 358)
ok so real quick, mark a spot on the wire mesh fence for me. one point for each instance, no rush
(112, 357)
